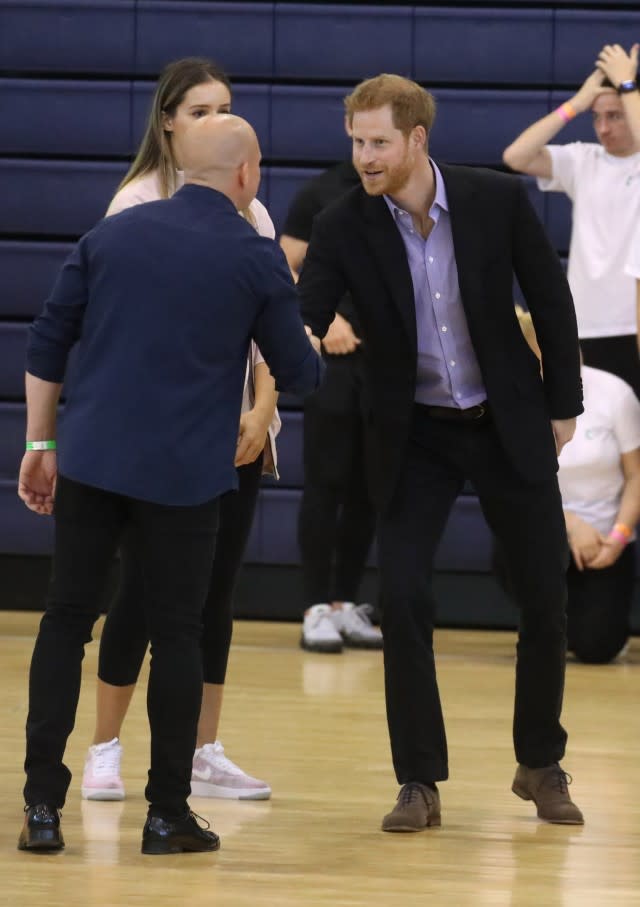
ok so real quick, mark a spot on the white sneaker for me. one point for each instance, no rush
(319, 633)
(101, 778)
(213, 775)
(353, 623)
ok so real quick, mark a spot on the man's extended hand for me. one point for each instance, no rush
(340, 338)
(617, 65)
(37, 481)
(563, 432)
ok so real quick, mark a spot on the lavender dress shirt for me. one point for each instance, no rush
(448, 373)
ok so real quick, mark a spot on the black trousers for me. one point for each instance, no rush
(618, 355)
(176, 546)
(528, 521)
(599, 608)
(125, 637)
(336, 521)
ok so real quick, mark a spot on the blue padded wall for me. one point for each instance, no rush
(28, 271)
(67, 36)
(239, 35)
(501, 45)
(347, 41)
(52, 116)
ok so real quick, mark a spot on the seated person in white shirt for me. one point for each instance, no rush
(599, 479)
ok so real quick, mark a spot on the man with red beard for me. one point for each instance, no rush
(428, 253)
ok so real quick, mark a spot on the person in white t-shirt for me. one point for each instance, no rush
(620, 67)
(599, 478)
(602, 179)
(187, 90)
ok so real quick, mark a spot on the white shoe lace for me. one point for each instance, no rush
(106, 760)
(213, 753)
(359, 619)
(317, 615)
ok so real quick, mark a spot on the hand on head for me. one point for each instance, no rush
(222, 152)
(617, 65)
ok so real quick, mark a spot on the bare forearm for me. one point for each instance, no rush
(531, 142)
(42, 402)
(527, 153)
(266, 396)
(629, 510)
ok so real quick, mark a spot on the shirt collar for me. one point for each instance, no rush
(440, 199)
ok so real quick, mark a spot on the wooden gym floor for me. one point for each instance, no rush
(314, 727)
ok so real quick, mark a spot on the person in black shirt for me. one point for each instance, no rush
(336, 520)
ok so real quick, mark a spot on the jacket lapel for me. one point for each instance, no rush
(466, 230)
(390, 254)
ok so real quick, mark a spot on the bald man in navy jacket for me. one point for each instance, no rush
(162, 302)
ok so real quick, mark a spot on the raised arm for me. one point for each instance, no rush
(619, 67)
(528, 154)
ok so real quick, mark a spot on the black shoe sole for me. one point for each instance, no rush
(164, 848)
(42, 842)
(372, 646)
(332, 648)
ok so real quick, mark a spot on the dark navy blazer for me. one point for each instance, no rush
(162, 301)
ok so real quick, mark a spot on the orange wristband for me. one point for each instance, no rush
(566, 111)
(623, 530)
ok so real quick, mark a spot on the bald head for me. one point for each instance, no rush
(222, 152)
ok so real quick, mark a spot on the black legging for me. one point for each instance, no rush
(598, 606)
(125, 636)
(336, 521)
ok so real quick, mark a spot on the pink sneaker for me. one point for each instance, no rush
(213, 775)
(101, 779)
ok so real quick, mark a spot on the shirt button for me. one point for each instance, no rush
(452, 363)
(444, 329)
(437, 295)
(458, 395)
(431, 259)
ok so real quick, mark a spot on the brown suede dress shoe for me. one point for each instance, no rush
(548, 787)
(417, 807)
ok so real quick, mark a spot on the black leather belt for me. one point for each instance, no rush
(451, 414)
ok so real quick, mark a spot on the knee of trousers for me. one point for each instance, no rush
(74, 622)
(179, 636)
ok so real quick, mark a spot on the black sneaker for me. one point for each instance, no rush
(161, 836)
(41, 829)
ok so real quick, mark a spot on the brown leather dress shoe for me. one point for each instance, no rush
(548, 787)
(417, 807)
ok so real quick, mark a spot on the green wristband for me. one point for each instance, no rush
(41, 445)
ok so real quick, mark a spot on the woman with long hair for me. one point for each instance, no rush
(187, 90)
